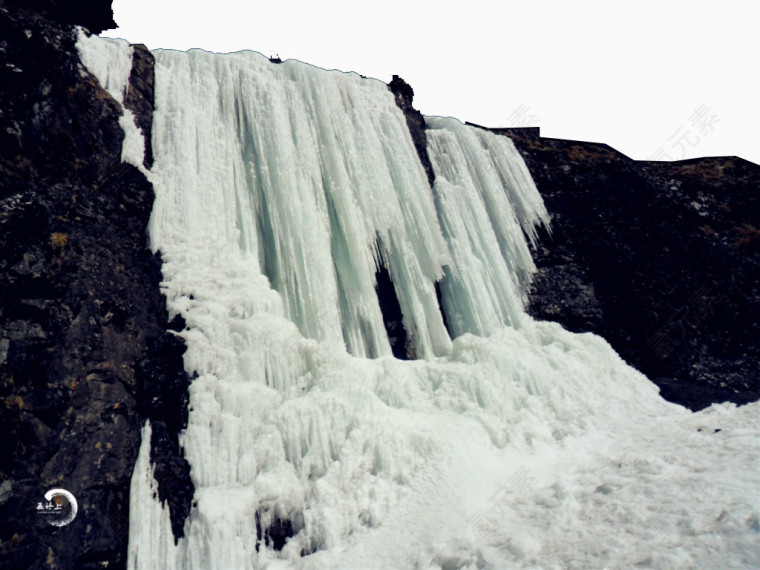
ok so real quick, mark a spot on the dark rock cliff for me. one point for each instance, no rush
(95, 16)
(661, 259)
(85, 357)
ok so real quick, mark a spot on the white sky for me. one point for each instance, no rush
(636, 78)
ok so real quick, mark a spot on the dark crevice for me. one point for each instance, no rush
(393, 318)
(275, 535)
(164, 400)
(415, 121)
(439, 296)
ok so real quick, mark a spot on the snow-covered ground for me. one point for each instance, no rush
(515, 445)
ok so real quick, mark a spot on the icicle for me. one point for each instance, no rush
(304, 170)
(484, 196)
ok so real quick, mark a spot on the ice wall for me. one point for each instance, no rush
(278, 188)
(311, 176)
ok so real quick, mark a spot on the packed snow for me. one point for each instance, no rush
(516, 444)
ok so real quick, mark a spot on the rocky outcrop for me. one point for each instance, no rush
(404, 95)
(85, 355)
(96, 15)
(400, 340)
(139, 98)
(661, 259)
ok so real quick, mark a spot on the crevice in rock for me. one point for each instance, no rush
(276, 534)
(401, 342)
(404, 95)
(439, 297)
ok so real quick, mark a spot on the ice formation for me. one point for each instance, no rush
(279, 190)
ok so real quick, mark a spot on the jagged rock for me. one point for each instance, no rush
(83, 336)
(96, 15)
(404, 95)
(140, 95)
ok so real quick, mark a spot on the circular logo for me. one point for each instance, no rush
(60, 507)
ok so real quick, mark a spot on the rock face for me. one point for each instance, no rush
(85, 355)
(96, 15)
(661, 259)
(404, 95)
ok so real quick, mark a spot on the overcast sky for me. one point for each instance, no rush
(656, 79)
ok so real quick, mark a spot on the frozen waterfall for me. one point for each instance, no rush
(280, 191)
